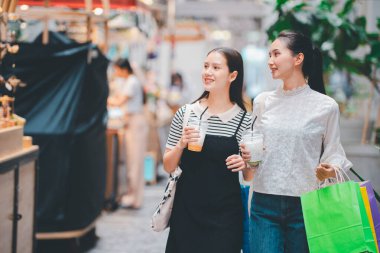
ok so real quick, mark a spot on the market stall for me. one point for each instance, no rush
(64, 104)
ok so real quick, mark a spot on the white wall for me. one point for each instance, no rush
(188, 61)
(372, 13)
(189, 58)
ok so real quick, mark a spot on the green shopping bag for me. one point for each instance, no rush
(336, 220)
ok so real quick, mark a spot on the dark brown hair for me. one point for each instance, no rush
(123, 63)
(312, 67)
(234, 63)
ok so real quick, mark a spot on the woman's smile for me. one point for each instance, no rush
(272, 70)
(208, 80)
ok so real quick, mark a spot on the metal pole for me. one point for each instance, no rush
(106, 8)
(88, 7)
(45, 34)
(106, 35)
(12, 7)
(171, 29)
(5, 5)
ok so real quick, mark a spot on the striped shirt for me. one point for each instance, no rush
(223, 124)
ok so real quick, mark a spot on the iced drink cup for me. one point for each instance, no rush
(254, 142)
(201, 126)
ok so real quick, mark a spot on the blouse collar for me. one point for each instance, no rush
(226, 116)
(294, 91)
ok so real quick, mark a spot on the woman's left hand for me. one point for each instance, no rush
(325, 171)
(235, 163)
(245, 153)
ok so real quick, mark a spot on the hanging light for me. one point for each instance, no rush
(98, 11)
(147, 2)
(24, 7)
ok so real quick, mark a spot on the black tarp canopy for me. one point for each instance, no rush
(64, 104)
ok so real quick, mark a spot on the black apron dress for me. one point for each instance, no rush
(207, 213)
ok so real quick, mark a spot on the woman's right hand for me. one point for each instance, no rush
(189, 134)
(172, 157)
(245, 153)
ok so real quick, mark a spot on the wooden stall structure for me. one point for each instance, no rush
(112, 173)
(18, 175)
(87, 19)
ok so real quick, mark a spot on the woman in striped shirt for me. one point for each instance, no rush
(207, 213)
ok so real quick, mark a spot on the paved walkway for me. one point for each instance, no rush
(128, 231)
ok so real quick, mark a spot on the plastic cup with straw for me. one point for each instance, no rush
(201, 126)
(254, 141)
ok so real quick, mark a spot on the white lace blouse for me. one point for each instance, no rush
(295, 124)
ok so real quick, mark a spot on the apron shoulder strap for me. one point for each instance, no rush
(241, 120)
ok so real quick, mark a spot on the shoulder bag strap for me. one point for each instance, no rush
(186, 115)
(177, 172)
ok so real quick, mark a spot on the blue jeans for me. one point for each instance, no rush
(277, 224)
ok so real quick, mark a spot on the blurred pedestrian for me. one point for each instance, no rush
(131, 99)
(177, 94)
(302, 145)
(207, 213)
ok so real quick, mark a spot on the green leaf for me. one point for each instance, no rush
(378, 23)
(361, 22)
(373, 36)
(347, 8)
(327, 45)
(299, 7)
(375, 50)
(334, 19)
(283, 23)
(303, 17)
(279, 4)
(326, 5)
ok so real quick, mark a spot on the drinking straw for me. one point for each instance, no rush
(253, 122)
(200, 117)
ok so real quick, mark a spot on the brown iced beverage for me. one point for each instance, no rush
(201, 126)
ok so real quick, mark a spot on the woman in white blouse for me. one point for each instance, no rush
(302, 145)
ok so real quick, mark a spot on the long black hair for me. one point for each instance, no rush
(312, 67)
(123, 63)
(234, 63)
